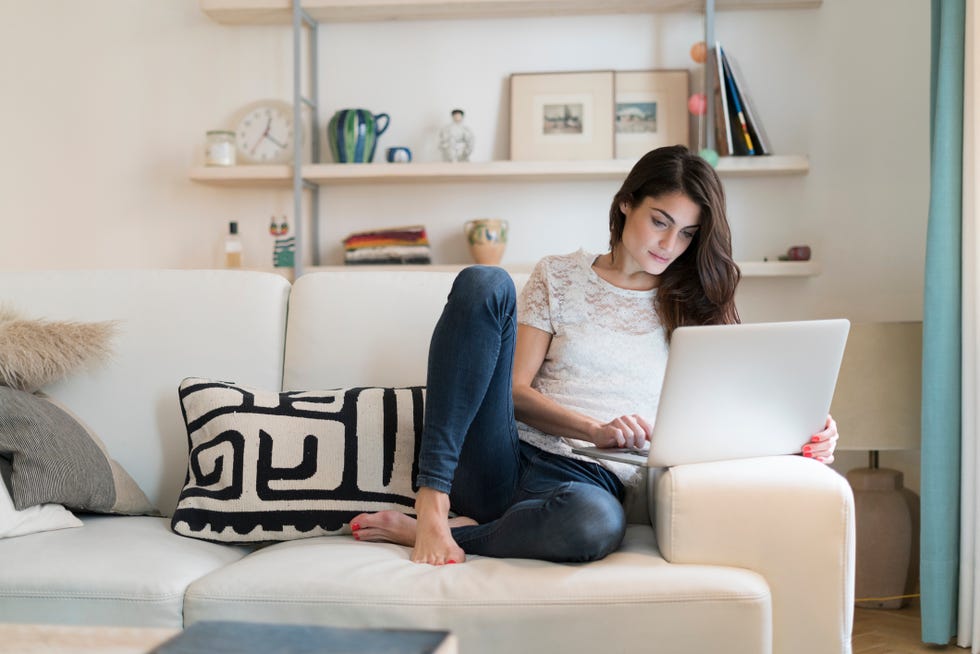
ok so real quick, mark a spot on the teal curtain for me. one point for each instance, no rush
(941, 327)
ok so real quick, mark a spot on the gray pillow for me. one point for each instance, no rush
(56, 459)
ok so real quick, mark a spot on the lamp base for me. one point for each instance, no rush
(884, 537)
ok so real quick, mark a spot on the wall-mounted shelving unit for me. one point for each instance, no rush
(316, 176)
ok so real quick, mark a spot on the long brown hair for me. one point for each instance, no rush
(698, 288)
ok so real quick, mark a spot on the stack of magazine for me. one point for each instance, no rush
(738, 131)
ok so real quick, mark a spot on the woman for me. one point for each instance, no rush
(512, 389)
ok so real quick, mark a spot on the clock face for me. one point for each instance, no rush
(265, 133)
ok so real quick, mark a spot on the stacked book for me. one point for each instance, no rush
(385, 246)
(737, 128)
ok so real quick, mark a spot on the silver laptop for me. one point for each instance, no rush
(738, 391)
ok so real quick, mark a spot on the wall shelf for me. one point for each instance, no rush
(510, 171)
(279, 12)
(749, 268)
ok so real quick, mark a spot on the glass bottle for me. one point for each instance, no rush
(233, 247)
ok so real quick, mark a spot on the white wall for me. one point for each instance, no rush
(105, 104)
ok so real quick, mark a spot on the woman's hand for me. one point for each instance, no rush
(630, 431)
(822, 444)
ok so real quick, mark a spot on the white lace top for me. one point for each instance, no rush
(608, 350)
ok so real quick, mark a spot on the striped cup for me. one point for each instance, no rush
(353, 135)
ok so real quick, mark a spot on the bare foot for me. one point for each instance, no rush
(393, 527)
(429, 536)
(434, 543)
(384, 527)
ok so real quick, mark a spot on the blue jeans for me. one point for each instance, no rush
(529, 503)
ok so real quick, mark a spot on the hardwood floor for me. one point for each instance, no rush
(897, 631)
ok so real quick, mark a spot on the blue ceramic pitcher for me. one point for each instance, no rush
(353, 135)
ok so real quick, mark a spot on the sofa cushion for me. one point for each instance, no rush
(269, 465)
(115, 570)
(226, 324)
(498, 605)
(57, 459)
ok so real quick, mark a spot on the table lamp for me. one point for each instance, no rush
(877, 406)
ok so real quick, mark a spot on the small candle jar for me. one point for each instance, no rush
(219, 149)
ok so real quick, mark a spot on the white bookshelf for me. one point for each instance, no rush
(320, 175)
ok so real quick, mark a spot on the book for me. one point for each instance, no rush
(214, 637)
(723, 106)
(735, 108)
(758, 133)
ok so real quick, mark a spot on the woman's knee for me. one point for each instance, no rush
(474, 283)
(595, 522)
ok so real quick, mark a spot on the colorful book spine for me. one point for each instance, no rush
(737, 106)
(758, 133)
(729, 145)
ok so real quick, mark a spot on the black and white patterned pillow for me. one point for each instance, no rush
(269, 465)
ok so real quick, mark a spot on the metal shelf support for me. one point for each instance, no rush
(302, 20)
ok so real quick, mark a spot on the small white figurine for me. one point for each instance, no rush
(456, 139)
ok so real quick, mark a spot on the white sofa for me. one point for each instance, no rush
(744, 557)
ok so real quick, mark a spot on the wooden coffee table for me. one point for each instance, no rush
(66, 639)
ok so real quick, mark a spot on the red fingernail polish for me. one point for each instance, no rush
(357, 537)
(815, 439)
(354, 526)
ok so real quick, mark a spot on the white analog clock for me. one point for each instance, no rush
(264, 132)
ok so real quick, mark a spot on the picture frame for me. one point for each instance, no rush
(651, 110)
(562, 116)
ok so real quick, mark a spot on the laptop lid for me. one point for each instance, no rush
(738, 391)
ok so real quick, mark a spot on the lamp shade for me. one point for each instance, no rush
(878, 400)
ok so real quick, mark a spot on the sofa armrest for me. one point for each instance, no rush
(788, 518)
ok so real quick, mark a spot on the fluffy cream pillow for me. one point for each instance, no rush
(35, 353)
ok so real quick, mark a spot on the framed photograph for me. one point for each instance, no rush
(651, 111)
(561, 116)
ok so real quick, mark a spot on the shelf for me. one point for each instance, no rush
(279, 12)
(749, 268)
(779, 268)
(531, 171)
(244, 176)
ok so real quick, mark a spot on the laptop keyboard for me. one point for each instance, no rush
(631, 450)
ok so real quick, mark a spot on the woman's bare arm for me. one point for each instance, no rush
(543, 413)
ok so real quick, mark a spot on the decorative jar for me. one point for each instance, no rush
(487, 238)
(219, 149)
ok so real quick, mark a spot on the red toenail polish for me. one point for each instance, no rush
(450, 561)
(354, 526)
(357, 537)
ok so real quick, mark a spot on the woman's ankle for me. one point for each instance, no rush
(432, 503)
